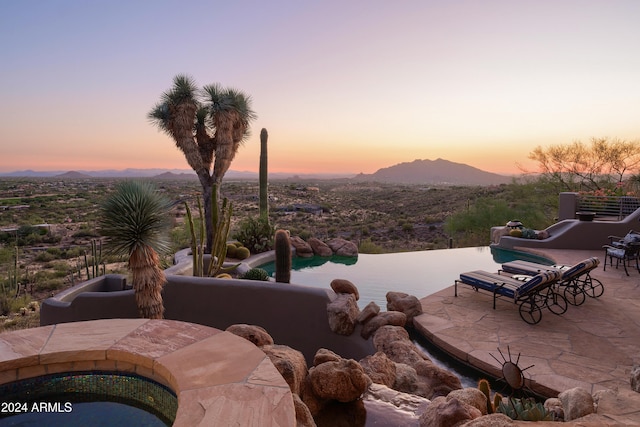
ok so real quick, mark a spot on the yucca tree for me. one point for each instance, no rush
(135, 221)
(208, 126)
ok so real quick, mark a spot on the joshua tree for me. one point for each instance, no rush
(135, 219)
(208, 126)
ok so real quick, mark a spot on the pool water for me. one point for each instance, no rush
(90, 398)
(415, 273)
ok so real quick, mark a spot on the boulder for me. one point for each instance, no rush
(380, 369)
(303, 249)
(323, 355)
(343, 380)
(368, 312)
(319, 247)
(635, 378)
(472, 397)
(394, 318)
(342, 313)
(446, 413)
(406, 378)
(303, 414)
(290, 363)
(491, 420)
(405, 303)
(576, 402)
(395, 343)
(435, 380)
(343, 247)
(256, 334)
(390, 407)
(343, 286)
(554, 405)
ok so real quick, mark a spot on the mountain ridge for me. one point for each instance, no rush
(439, 171)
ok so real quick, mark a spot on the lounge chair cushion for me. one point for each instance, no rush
(505, 285)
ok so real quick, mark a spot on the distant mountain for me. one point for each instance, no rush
(437, 171)
(72, 175)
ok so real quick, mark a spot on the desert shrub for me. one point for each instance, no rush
(256, 234)
(45, 257)
(86, 231)
(256, 274)
(368, 247)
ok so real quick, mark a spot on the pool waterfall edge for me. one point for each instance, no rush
(198, 363)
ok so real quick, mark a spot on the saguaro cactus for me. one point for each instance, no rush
(283, 256)
(264, 185)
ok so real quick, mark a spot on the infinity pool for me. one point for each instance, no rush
(416, 273)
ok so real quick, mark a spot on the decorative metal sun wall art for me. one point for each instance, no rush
(512, 373)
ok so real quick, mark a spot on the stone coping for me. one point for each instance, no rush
(219, 378)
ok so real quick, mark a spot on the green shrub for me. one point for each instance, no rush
(256, 234)
(256, 274)
(368, 247)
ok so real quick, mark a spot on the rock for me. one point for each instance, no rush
(406, 378)
(554, 405)
(368, 312)
(319, 247)
(395, 343)
(439, 381)
(576, 402)
(405, 303)
(342, 313)
(445, 413)
(343, 247)
(344, 380)
(380, 369)
(256, 334)
(343, 286)
(290, 363)
(492, 420)
(393, 408)
(323, 355)
(635, 378)
(303, 414)
(394, 318)
(303, 249)
(472, 397)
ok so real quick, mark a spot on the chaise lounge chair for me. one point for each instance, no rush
(575, 279)
(531, 293)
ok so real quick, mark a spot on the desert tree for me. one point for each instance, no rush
(601, 164)
(208, 125)
(135, 221)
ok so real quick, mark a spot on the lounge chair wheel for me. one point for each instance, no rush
(530, 311)
(593, 287)
(556, 303)
(574, 294)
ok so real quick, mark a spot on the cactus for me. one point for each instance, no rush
(256, 274)
(242, 253)
(497, 400)
(221, 220)
(232, 250)
(483, 386)
(93, 268)
(283, 256)
(264, 185)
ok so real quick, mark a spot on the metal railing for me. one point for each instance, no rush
(617, 207)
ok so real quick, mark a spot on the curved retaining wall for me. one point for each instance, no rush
(294, 315)
(575, 234)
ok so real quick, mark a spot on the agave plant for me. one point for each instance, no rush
(135, 221)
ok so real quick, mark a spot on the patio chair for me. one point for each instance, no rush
(531, 294)
(576, 279)
(623, 249)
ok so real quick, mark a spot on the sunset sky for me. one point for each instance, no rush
(342, 86)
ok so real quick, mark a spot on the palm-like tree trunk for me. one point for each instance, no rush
(148, 280)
